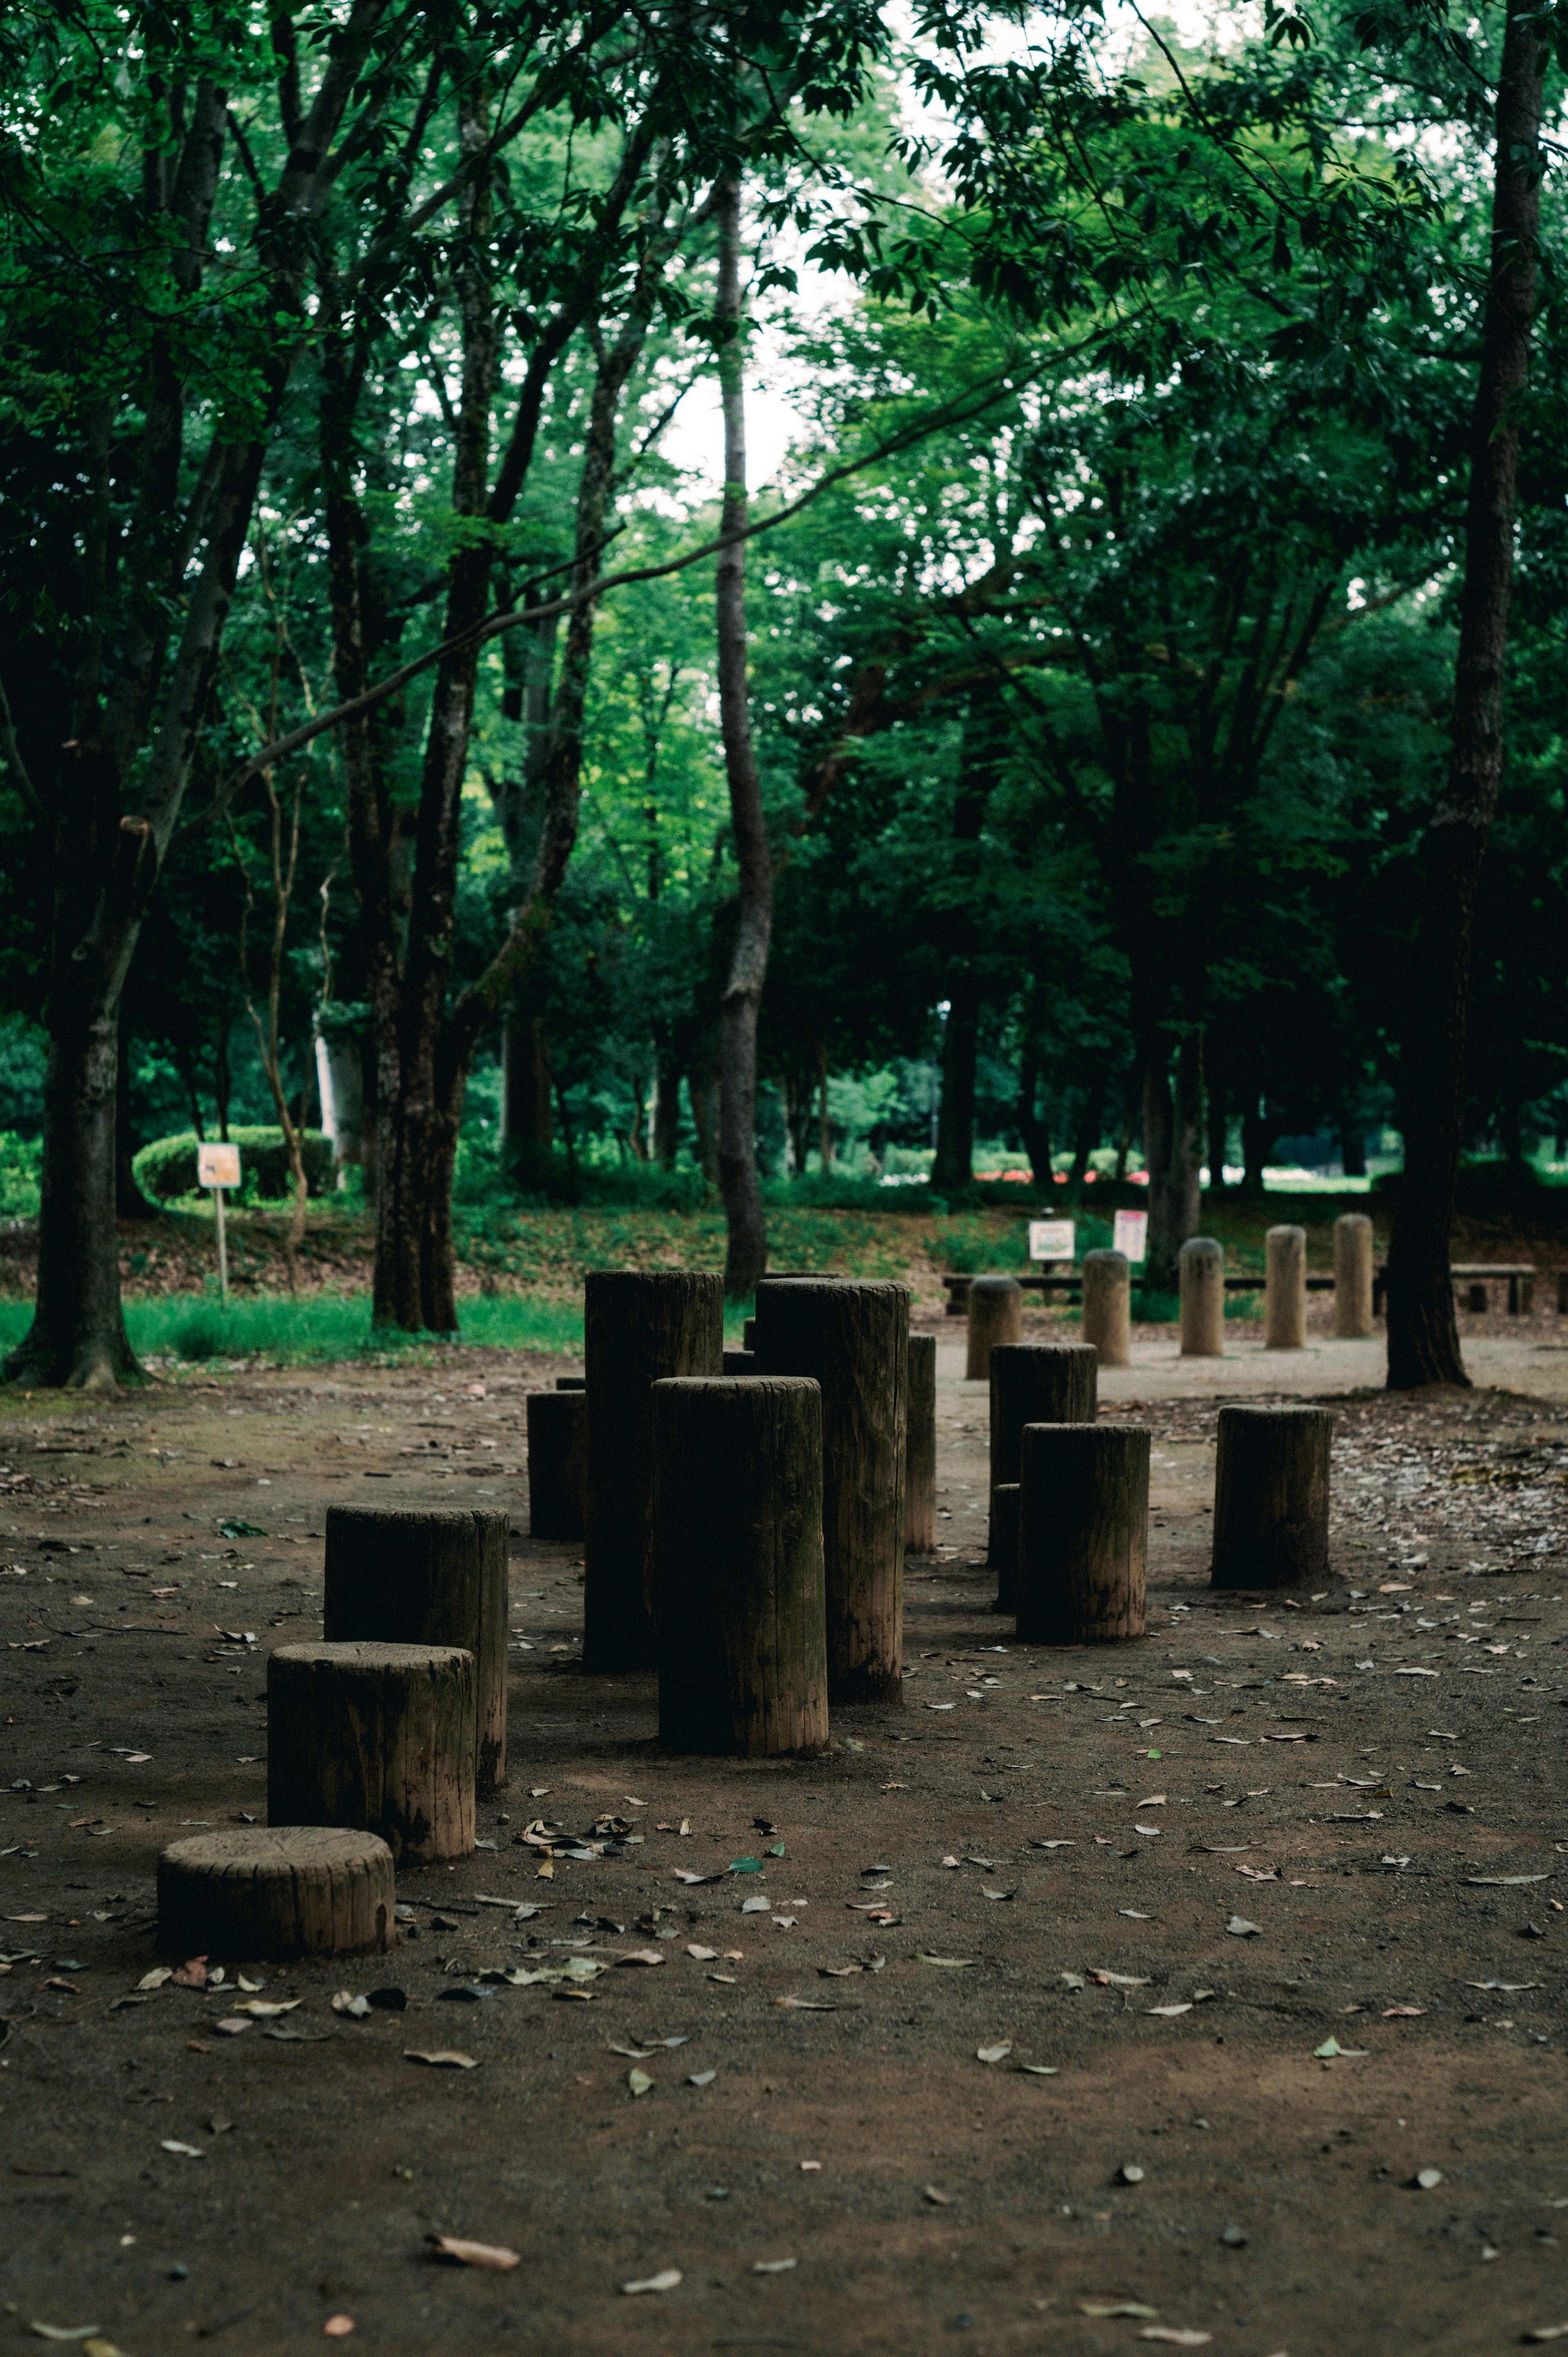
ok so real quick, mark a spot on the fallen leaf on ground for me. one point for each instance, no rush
(1040, 2069)
(644, 1956)
(1331, 2047)
(1241, 1927)
(263, 2007)
(994, 2053)
(665, 2281)
(1177, 2336)
(337, 2328)
(1404, 2012)
(702, 1956)
(935, 2194)
(773, 2266)
(173, 2144)
(1427, 2179)
(953, 1964)
(62, 2332)
(475, 2254)
(796, 2003)
(1539, 2332)
(701, 2078)
(190, 1975)
(445, 2058)
(1168, 2011)
(157, 1978)
(355, 2006)
(1116, 2308)
(640, 2083)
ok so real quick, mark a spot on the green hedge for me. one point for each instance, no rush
(167, 1167)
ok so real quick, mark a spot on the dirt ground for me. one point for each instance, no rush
(1030, 1935)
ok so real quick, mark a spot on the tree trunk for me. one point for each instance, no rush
(130, 1203)
(824, 1127)
(527, 1119)
(1215, 1109)
(77, 1335)
(1087, 1134)
(747, 1256)
(1352, 1147)
(1034, 1133)
(1170, 1149)
(667, 1110)
(954, 1164)
(1424, 1340)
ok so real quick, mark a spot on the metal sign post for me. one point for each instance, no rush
(218, 1167)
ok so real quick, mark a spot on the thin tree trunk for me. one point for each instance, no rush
(1423, 1341)
(129, 1200)
(1088, 1126)
(1171, 1126)
(825, 1126)
(746, 1258)
(1034, 1130)
(1217, 1110)
(954, 1163)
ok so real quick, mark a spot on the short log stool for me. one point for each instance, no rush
(996, 1316)
(1034, 1382)
(1271, 1496)
(1353, 1275)
(276, 1890)
(379, 1738)
(557, 1461)
(1284, 1292)
(408, 1576)
(1083, 1532)
(850, 1336)
(737, 1363)
(639, 1327)
(739, 1604)
(921, 1451)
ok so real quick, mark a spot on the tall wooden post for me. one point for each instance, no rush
(436, 1576)
(1035, 1382)
(557, 1462)
(921, 1461)
(852, 1336)
(1004, 1505)
(740, 1606)
(638, 1328)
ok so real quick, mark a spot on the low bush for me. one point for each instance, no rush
(21, 1167)
(167, 1169)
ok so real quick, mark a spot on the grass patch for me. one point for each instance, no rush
(1165, 1308)
(291, 1331)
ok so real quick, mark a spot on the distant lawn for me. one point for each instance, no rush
(289, 1331)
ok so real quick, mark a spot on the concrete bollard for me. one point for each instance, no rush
(1353, 1249)
(1201, 1268)
(1108, 1307)
(1285, 1293)
(995, 1314)
(1271, 1496)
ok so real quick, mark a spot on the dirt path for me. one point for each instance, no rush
(1408, 1745)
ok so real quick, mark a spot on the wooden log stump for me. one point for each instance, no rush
(1284, 1290)
(740, 1363)
(571, 1382)
(1108, 1307)
(921, 1452)
(1201, 1266)
(749, 1334)
(275, 1891)
(1478, 1300)
(378, 1738)
(852, 1336)
(407, 1576)
(740, 1599)
(1271, 1496)
(638, 1329)
(995, 1319)
(1005, 1502)
(557, 1462)
(1083, 1526)
(1035, 1382)
(1353, 1257)
(1563, 1293)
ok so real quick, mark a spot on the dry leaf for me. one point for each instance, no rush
(994, 2053)
(445, 2058)
(337, 2328)
(1177, 2336)
(475, 2254)
(667, 2281)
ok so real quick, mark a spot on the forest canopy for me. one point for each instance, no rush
(1113, 726)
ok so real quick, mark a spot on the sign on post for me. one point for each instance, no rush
(1050, 1239)
(1129, 1232)
(218, 1166)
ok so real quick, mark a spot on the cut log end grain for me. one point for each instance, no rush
(275, 1891)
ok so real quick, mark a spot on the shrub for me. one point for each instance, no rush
(167, 1167)
(21, 1164)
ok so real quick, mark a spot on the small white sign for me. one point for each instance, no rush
(217, 1165)
(1130, 1234)
(1050, 1239)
